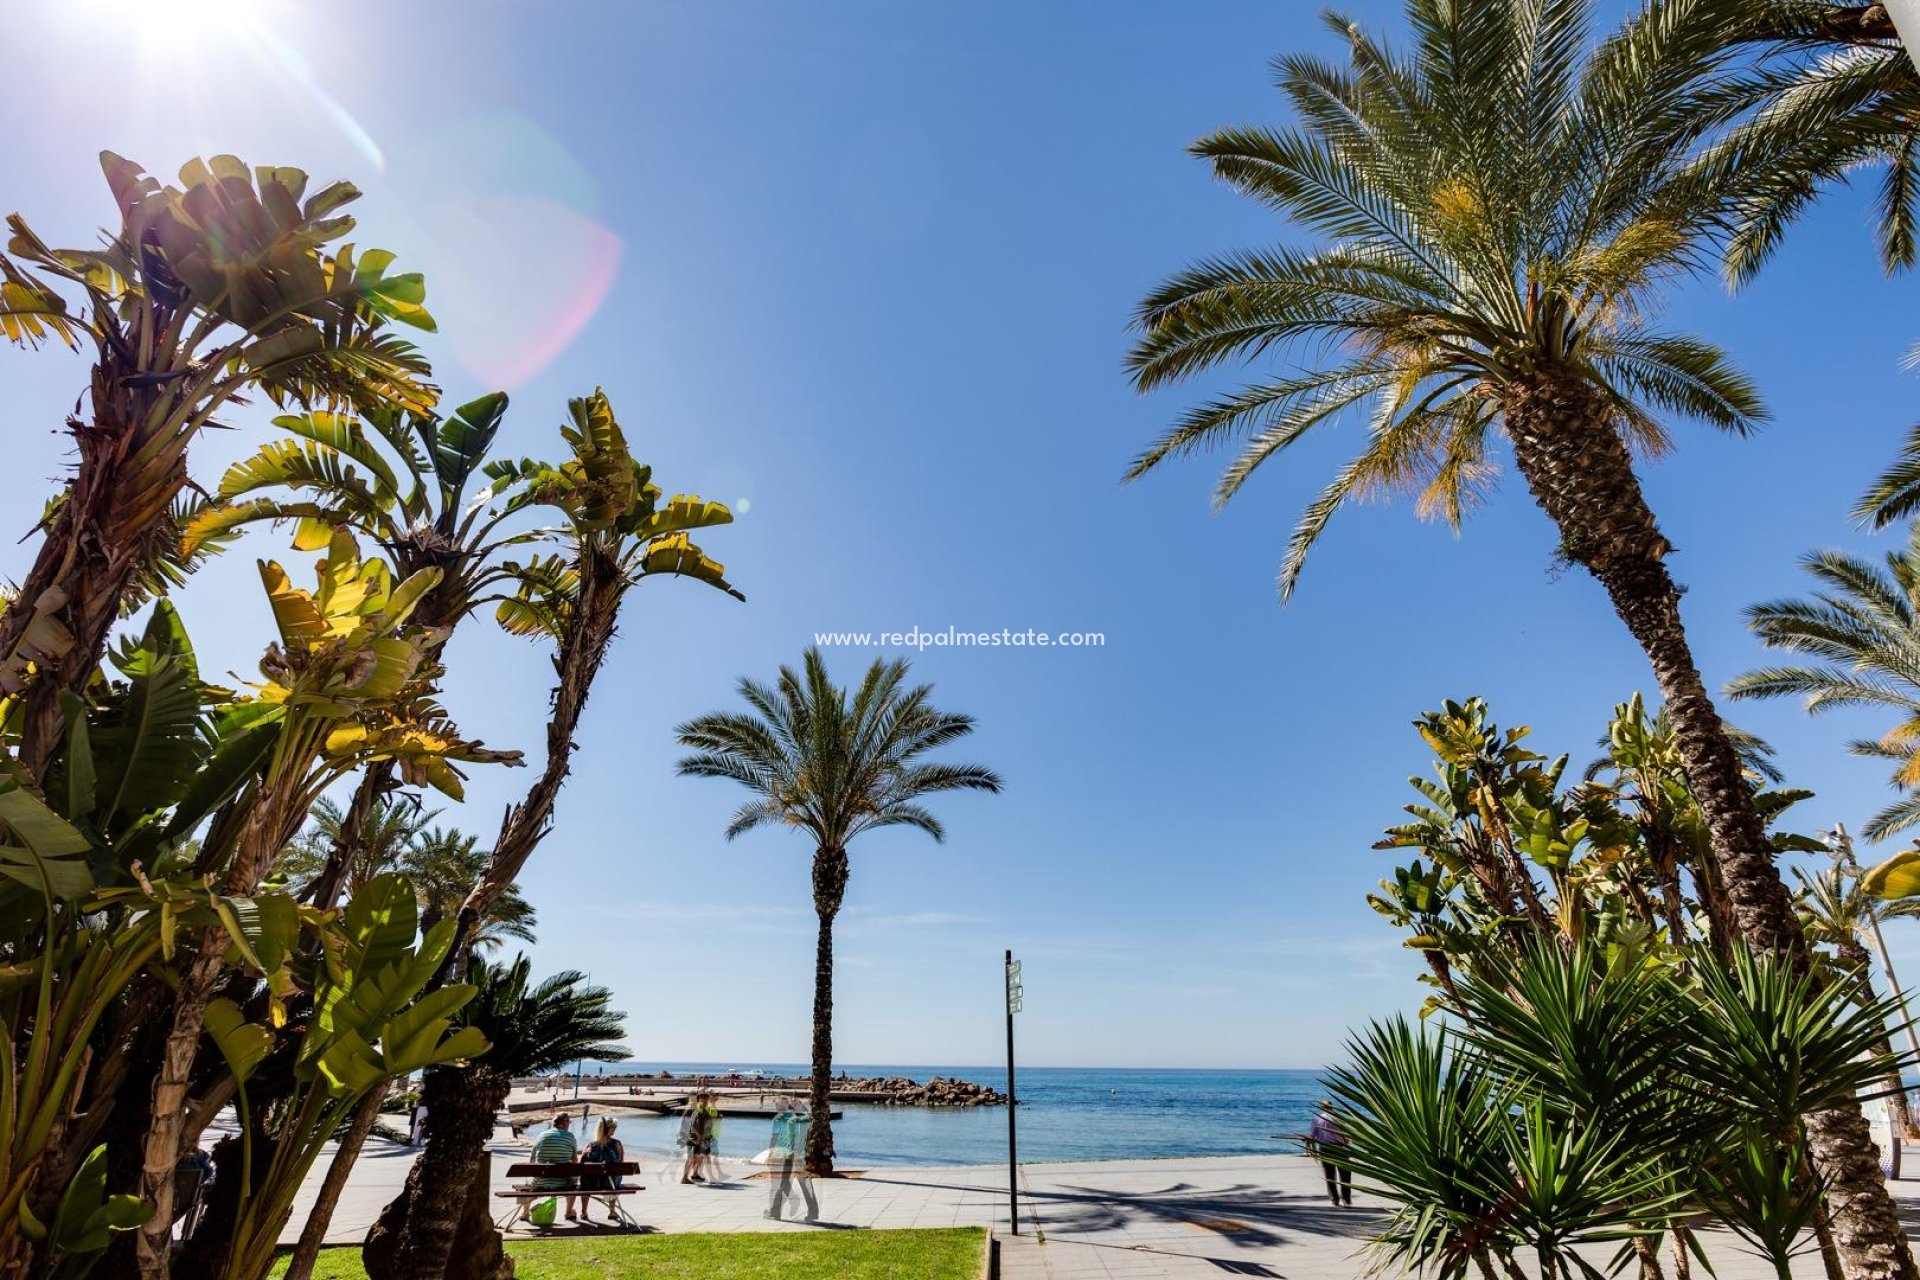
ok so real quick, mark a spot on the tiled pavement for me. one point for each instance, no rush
(1116, 1220)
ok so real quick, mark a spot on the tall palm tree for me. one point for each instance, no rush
(1498, 209)
(1837, 911)
(834, 767)
(443, 865)
(1861, 631)
(390, 827)
(534, 1028)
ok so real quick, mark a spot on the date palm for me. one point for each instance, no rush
(833, 766)
(1831, 92)
(1493, 215)
(1838, 911)
(1860, 631)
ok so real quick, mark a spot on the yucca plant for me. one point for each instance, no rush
(227, 284)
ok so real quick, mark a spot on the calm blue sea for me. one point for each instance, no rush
(1066, 1113)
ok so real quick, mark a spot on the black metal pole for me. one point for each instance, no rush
(1013, 1144)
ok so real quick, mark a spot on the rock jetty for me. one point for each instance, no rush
(941, 1091)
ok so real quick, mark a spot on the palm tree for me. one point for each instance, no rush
(1499, 207)
(443, 865)
(1861, 630)
(534, 1028)
(202, 294)
(833, 767)
(388, 830)
(1831, 92)
(1837, 911)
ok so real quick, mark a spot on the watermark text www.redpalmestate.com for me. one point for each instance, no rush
(958, 638)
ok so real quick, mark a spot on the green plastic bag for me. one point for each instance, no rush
(544, 1211)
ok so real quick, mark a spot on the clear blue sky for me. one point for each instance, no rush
(868, 267)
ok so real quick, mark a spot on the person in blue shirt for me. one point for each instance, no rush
(1328, 1141)
(789, 1142)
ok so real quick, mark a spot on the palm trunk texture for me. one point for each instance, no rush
(414, 1237)
(830, 868)
(1580, 473)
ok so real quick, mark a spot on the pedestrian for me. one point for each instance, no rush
(418, 1133)
(1327, 1141)
(699, 1133)
(789, 1141)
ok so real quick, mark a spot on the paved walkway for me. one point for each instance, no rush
(1190, 1218)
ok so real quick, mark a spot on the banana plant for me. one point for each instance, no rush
(618, 529)
(372, 1021)
(342, 684)
(90, 895)
(400, 479)
(230, 283)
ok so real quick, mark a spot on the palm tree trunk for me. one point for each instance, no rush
(320, 1217)
(414, 1236)
(403, 1248)
(1855, 957)
(830, 869)
(1579, 471)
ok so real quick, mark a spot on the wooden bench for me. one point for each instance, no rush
(581, 1179)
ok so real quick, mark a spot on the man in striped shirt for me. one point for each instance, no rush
(558, 1146)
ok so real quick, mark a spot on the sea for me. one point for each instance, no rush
(1065, 1114)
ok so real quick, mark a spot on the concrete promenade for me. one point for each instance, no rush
(1202, 1217)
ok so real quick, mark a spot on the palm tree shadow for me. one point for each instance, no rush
(1245, 1214)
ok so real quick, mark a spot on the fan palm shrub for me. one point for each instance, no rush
(833, 767)
(534, 1028)
(1493, 215)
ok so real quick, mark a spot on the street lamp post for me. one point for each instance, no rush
(1015, 1001)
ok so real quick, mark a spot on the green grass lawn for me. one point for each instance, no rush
(826, 1255)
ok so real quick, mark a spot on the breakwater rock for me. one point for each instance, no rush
(941, 1091)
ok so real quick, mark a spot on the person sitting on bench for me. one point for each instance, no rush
(557, 1146)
